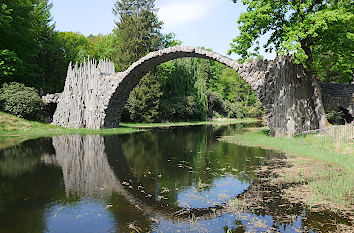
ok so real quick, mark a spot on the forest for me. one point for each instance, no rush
(34, 56)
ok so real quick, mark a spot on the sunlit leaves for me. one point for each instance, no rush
(310, 30)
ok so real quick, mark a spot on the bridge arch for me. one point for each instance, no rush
(250, 72)
(94, 96)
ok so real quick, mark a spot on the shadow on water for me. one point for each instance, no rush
(182, 179)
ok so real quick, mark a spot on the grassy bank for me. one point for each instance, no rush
(14, 126)
(322, 174)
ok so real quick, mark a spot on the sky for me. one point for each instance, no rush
(208, 23)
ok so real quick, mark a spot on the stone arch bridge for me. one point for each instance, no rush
(94, 96)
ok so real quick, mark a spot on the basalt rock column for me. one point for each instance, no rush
(86, 87)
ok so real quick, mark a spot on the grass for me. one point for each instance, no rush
(327, 171)
(333, 138)
(14, 126)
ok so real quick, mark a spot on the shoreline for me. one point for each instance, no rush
(218, 121)
(320, 180)
(12, 126)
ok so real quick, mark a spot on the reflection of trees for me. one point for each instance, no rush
(156, 158)
(95, 166)
(24, 188)
(87, 170)
(17, 160)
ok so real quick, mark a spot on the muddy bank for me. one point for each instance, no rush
(282, 190)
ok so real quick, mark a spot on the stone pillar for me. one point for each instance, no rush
(288, 98)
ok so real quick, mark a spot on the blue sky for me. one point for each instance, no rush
(208, 23)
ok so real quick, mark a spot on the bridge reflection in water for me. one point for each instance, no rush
(88, 173)
(85, 167)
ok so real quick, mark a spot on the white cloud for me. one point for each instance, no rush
(180, 12)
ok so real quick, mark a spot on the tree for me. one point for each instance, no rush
(143, 103)
(74, 45)
(16, 33)
(101, 46)
(19, 100)
(137, 31)
(29, 49)
(317, 33)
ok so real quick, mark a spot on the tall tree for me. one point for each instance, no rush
(317, 33)
(143, 103)
(16, 33)
(29, 50)
(137, 31)
(101, 46)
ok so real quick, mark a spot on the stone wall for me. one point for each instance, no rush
(94, 97)
(338, 95)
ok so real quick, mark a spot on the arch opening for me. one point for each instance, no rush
(191, 89)
(139, 69)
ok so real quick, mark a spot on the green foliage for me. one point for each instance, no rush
(197, 89)
(19, 100)
(255, 109)
(181, 108)
(202, 99)
(29, 49)
(318, 34)
(75, 46)
(215, 104)
(184, 90)
(8, 63)
(101, 46)
(234, 110)
(137, 31)
(143, 102)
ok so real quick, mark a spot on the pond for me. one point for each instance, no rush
(163, 180)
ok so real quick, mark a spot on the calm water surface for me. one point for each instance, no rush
(171, 180)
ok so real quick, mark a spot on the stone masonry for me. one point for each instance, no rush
(338, 95)
(94, 96)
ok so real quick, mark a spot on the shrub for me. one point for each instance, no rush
(234, 110)
(181, 108)
(22, 101)
(144, 101)
(216, 105)
(255, 110)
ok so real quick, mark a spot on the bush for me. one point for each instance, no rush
(216, 105)
(234, 110)
(180, 109)
(22, 101)
(255, 110)
(144, 100)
